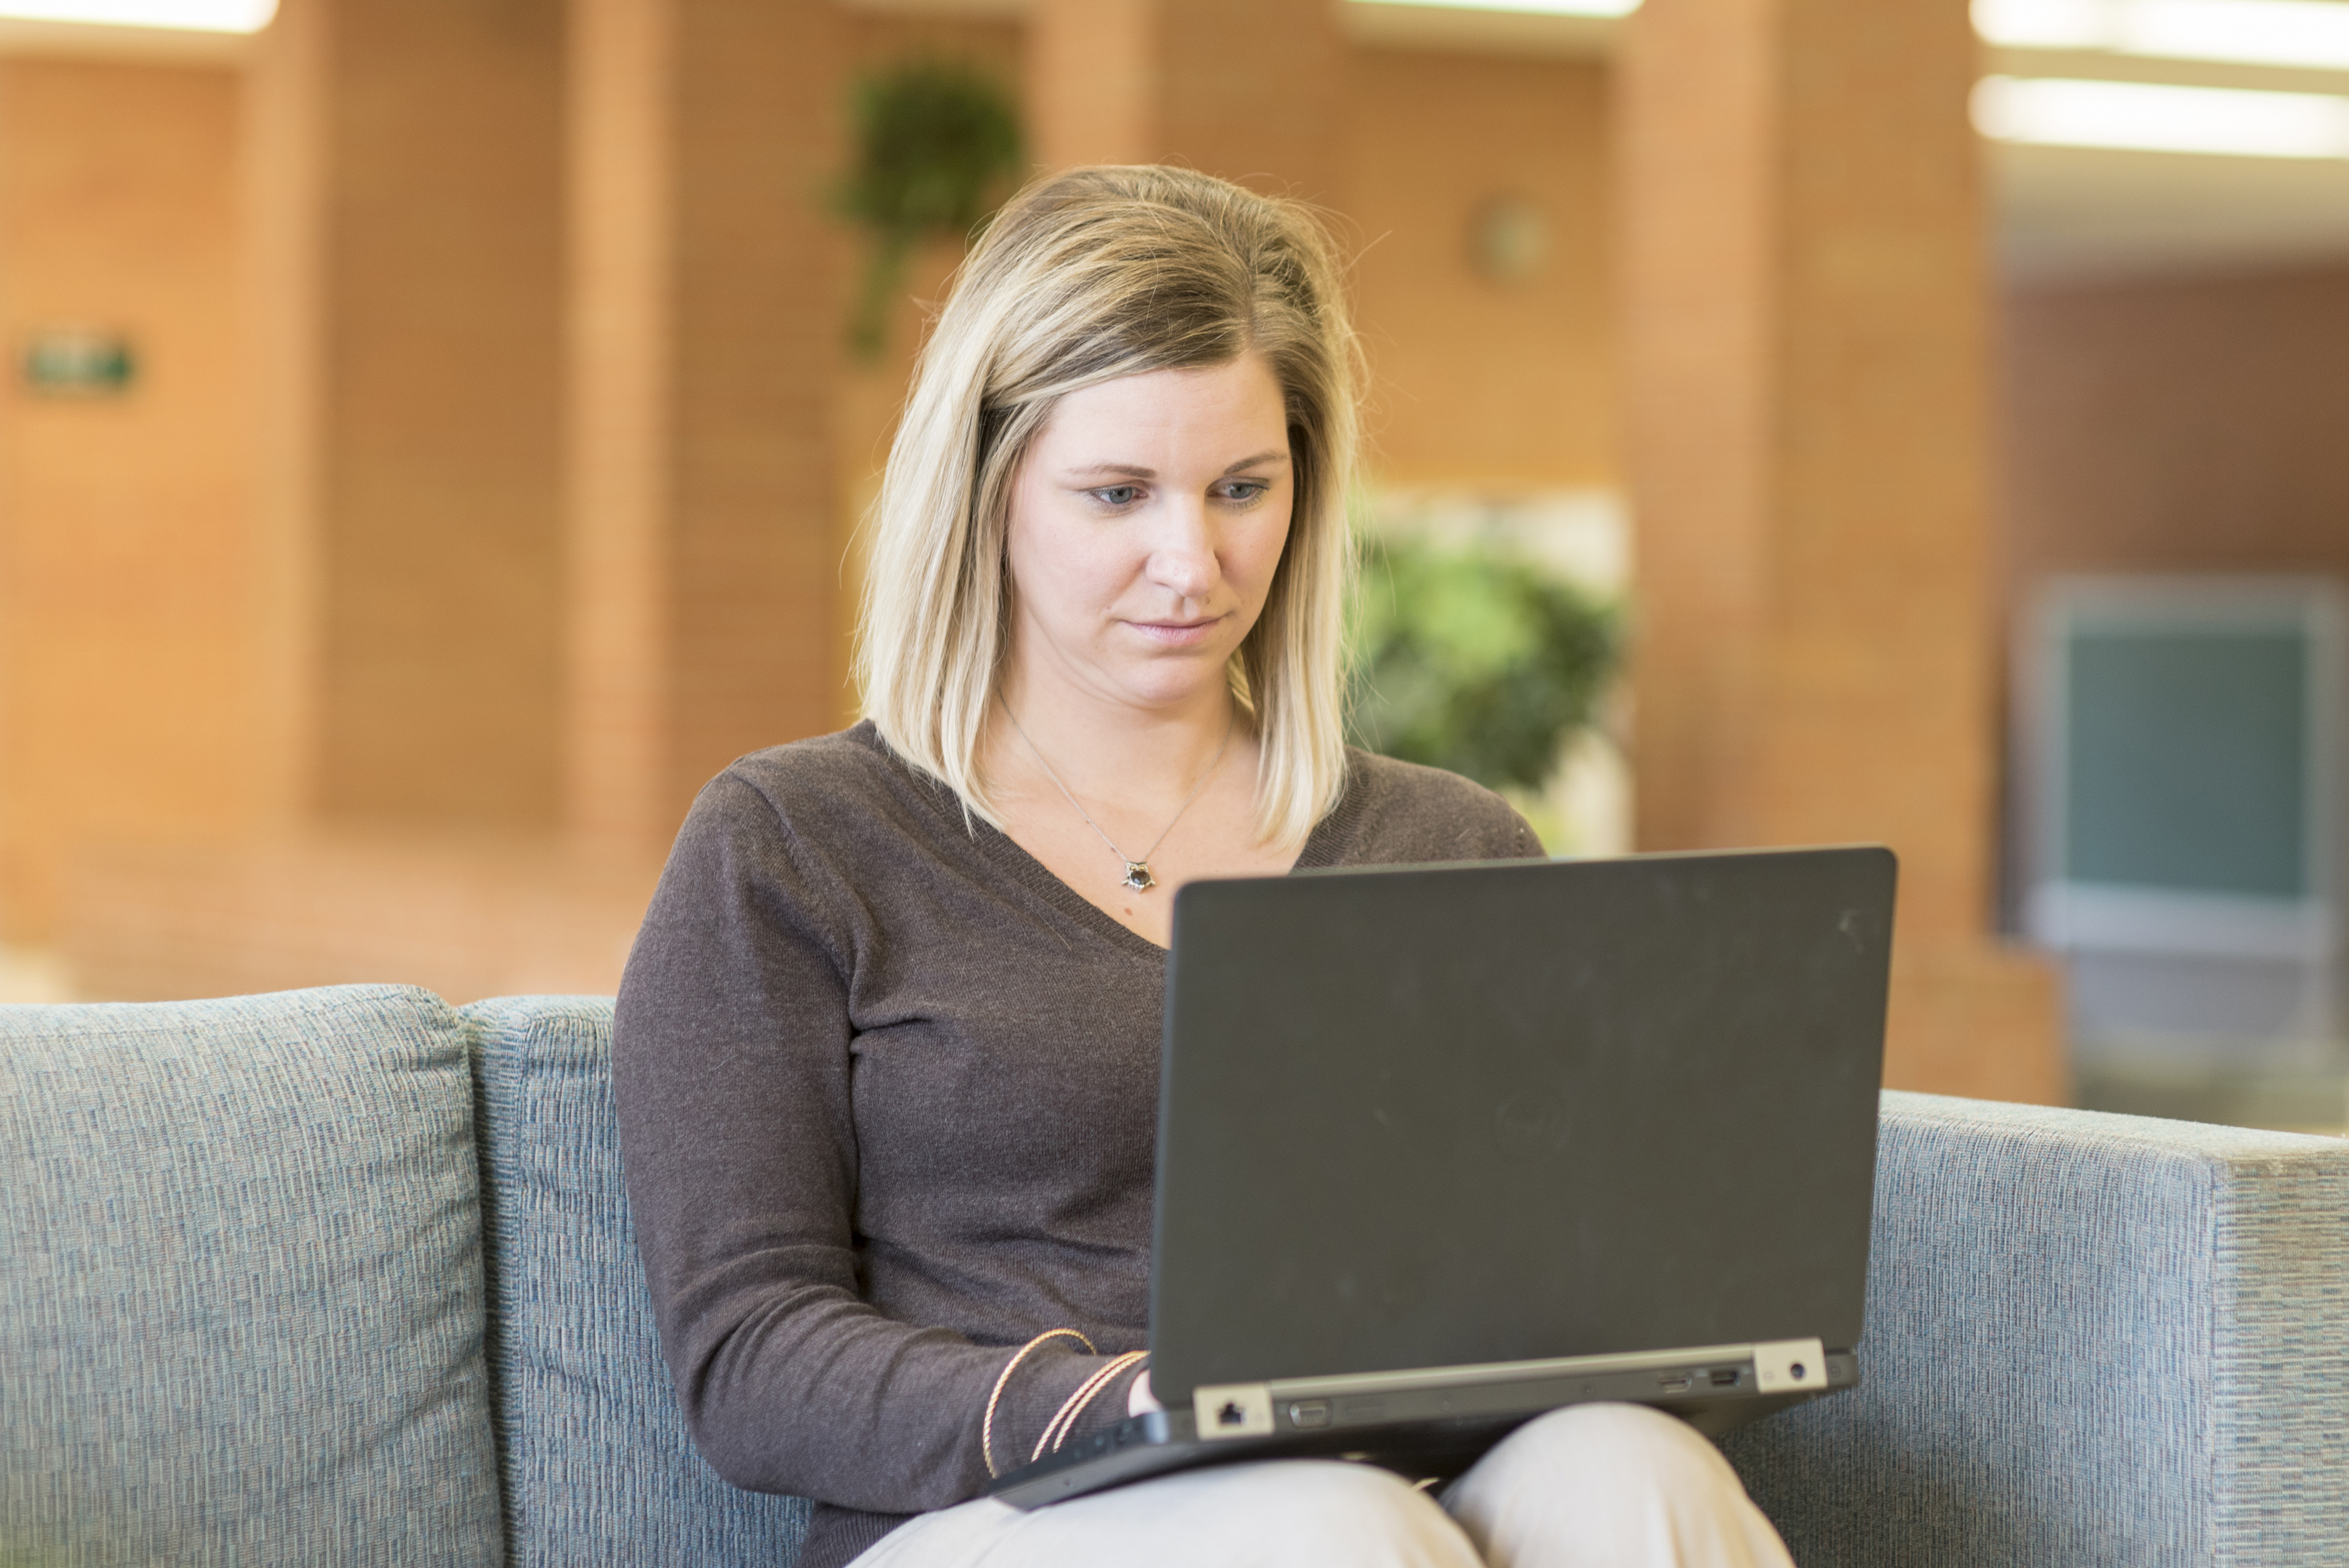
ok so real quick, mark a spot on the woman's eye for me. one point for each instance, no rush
(1244, 490)
(1118, 495)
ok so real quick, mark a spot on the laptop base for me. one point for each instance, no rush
(1418, 1449)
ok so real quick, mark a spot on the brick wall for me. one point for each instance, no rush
(1479, 380)
(2177, 425)
(127, 567)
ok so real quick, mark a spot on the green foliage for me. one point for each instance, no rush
(1474, 660)
(938, 147)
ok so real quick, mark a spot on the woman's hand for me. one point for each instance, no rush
(1139, 1400)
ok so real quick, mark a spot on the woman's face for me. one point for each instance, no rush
(1146, 520)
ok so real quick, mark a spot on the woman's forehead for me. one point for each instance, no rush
(1237, 404)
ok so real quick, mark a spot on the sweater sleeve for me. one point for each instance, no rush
(732, 1057)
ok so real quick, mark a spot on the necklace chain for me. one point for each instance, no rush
(1137, 871)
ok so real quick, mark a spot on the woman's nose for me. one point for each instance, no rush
(1182, 556)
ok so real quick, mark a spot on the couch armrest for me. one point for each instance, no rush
(2090, 1339)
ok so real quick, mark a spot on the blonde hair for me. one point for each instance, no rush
(1084, 277)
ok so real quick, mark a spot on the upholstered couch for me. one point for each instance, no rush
(345, 1276)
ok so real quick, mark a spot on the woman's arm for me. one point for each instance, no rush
(731, 1067)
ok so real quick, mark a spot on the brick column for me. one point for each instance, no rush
(705, 318)
(404, 265)
(1249, 89)
(436, 542)
(286, 85)
(1806, 335)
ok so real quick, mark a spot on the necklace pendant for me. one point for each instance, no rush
(1137, 875)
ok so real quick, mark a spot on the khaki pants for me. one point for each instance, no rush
(1619, 1485)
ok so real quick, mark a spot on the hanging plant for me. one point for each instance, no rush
(938, 148)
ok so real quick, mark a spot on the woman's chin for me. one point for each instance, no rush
(1165, 683)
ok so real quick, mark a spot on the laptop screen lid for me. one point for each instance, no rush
(1469, 1115)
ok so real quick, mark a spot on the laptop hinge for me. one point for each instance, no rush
(1505, 1387)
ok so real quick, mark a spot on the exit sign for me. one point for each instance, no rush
(79, 362)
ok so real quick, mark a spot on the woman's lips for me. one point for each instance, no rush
(1178, 633)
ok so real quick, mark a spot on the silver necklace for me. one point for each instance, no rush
(1137, 872)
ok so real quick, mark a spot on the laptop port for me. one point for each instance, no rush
(1674, 1382)
(1724, 1376)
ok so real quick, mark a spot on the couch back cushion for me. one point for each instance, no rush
(241, 1289)
(598, 1466)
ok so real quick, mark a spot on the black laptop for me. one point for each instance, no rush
(1443, 1148)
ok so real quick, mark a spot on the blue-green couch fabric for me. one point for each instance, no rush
(597, 1464)
(2091, 1340)
(241, 1288)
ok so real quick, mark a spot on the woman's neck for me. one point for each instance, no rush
(1107, 749)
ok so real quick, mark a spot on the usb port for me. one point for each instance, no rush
(1724, 1376)
(1674, 1382)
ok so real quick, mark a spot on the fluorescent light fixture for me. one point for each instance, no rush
(2308, 34)
(2044, 24)
(2249, 32)
(1523, 7)
(2059, 111)
(187, 15)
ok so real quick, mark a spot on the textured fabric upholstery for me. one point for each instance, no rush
(242, 1303)
(597, 1465)
(2091, 1339)
(240, 1295)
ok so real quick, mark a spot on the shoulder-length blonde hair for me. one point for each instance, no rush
(1084, 277)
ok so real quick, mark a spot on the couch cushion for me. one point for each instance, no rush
(2091, 1339)
(241, 1295)
(599, 1467)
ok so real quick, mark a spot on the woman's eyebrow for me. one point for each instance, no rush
(1136, 472)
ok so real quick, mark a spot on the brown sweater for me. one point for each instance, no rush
(888, 1099)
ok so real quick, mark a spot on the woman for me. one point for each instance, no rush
(887, 1047)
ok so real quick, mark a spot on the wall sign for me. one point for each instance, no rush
(1508, 238)
(78, 362)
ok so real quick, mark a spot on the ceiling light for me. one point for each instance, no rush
(2144, 116)
(1524, 8)
(2249, 32)
(193, 16)
(2309, 34)
(2044, 24)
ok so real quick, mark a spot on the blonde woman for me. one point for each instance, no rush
(887, 1047)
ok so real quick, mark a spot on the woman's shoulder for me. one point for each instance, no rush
(1401, 813)
(826, 792)
(851, 762)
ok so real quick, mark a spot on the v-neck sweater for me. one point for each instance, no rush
(888, 1096)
